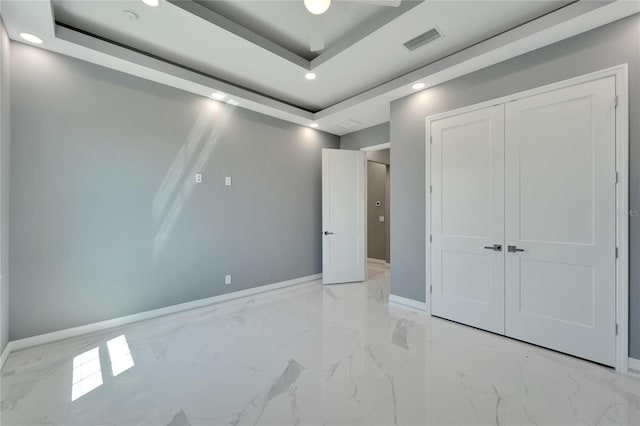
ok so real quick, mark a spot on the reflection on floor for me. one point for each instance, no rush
(308, 355)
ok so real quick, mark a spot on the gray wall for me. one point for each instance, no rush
(366, 137)
(604, 47)
(376, 191)
(384, 156)
(106, 220)
(380, 156)
(370, 136)
(5, 134)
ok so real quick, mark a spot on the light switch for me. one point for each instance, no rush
(198, 177)
(380, 218)
(227, 181)
(227, 279)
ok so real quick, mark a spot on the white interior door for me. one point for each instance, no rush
(343, 216)
(560, 201)
(467, 211)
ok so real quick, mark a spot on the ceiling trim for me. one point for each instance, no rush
(370, 107)
(227, 24)
(351, 38)
(580, 19)
(510, 38)
(129, 61)
(75, 35)
(362, 31)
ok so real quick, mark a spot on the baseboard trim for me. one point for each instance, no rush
(634, 366)
(68, 333)
(405, 303)
(379, 261)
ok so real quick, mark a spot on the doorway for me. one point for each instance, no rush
(378, 204)
(355, 213)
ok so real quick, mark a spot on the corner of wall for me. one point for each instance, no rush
(5, 144)
(374, 135)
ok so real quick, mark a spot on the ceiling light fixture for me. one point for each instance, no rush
(418, 86)
(310, 76)
(218, 96)
(314, 125)
(317, 7)
(31, 38)
(152, 3)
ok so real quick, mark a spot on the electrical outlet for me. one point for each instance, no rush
(198, 177)
(227, 279)
(227, 181)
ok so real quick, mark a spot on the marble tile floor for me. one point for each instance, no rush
(308, 355)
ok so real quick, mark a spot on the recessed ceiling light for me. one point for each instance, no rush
(317, 7)
(152, 3)
(31, 38)
(314, 125)
(218, 96)
(418, 86)
(310, 76)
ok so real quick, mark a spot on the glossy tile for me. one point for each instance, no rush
(308, 355)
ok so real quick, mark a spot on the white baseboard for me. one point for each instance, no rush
(411, 304)
(634, 366)
(68, 333)
(379, 261)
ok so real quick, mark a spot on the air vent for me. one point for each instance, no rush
(423, 39)
(348, 124)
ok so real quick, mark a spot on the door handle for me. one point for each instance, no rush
(495, 247)
(513, 249)
(328, 233)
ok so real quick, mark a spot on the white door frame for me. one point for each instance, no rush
(378, 147)
(620, 73)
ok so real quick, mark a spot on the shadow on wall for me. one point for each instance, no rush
(178, 183)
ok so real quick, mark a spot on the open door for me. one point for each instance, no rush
(344, 226)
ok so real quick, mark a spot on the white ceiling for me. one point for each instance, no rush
(289, 24)
(181, 37)
(261, 63)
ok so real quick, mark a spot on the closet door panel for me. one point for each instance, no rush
(560, 199)
(467, 211)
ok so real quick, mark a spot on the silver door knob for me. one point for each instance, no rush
(328, 233)
(495, 247)
(513, 249)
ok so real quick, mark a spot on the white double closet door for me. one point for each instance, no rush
(523, 235)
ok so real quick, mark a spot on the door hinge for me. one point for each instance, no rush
(430, 238)
(430, 189)
(615, 102)
(617, 177)
(430, 139)
(617, 329)
(430, 288)
(617, 252)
